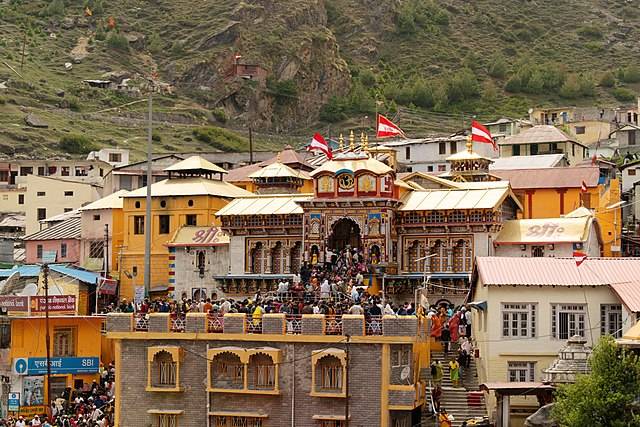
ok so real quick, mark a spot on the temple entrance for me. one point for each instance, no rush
(345, 232)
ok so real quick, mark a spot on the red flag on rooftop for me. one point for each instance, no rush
(580, 257)
(386, 128)
(479, 133)
(319, 144)
(583, 187)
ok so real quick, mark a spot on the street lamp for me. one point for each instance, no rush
(425, 278)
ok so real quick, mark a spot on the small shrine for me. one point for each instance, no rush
(469, 166)
(572, 360)
(278, 178)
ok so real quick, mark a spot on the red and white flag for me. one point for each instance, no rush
(580, 257)
(583, 187)
(386, 128)
(319, 144)
(479, 133)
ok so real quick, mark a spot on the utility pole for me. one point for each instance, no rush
(346, 379)
(147, 219)
(45, 273)
(250, 146)
(106, 250)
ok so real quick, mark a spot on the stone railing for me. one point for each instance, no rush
(268, 324)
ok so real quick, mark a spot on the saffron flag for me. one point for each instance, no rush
(386, 128)
(479, 133)
(319, 144)
(583, 187)
(580, 257)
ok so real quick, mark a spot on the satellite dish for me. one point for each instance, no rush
(30, 290)
(404, 374)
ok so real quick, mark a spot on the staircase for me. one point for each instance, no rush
(454, 399)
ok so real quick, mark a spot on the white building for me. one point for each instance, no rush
(550, 237)
(532, 306)
(114, 156)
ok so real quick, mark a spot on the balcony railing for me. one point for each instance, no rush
(253, 326)
(373, 325)
(333, 325)
(294, 324)
(141, 322)
(215, 323)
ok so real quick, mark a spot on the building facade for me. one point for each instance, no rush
(315, 373)
(544, 139)
(58, 243)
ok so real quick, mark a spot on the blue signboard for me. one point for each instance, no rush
(59, 365)
(14, 402)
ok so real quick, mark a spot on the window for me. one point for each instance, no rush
(42, 213)
(330, 374)
(534, 149)
(163, 224)
(21, 199)
(233, 421)
(227, 371)
(68, 194)
(96, 249)
(96, 217)
(138, 224)
(453, 147)
(65, 171)
(442, 148)
(262, 372)
(164, 370)
(515, 150)
(580, 130)
(5, 197)
(573, 149)
(39, 251)
(611, 320)
(331, 423)
(567, 320)
(502, 128)
(191, 219)
(67, 210)
(63, 250)
(429, 168)
(520, 372)
(537, 251)
(167, 420)
(632, 137)
(115, 157)
(41, 170)
(64, 342)
(407, 153)
(41, 194)
(586, 200)
(632, 172)
(26, 170)
(519, 320)
(442, 168)
(400, 357)
(4, 176)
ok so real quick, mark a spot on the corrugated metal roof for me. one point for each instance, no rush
(570, 177)
(353, 163)
(195, 163)
(67, 229)
(629, 294)
(13, 220)
(23, 270)
(190, 187)
(545, 230)
(278, 170)
(265, 205)
(76, 273)
(539, 135)
(63, 216)
(466, 155)
(112, 201)
(488, 198)
(528, 162)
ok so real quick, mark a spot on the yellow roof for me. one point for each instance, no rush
(196, 186)
(580, 212)
(429, 200)
(633, 333)
(545, 230)
(199, 236)
(195, 163)
(112, 201)
(466, 155)
(265, 205)
(441, 181)
(353, 164)
(278, 170)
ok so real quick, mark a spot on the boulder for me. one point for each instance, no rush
(34, 121)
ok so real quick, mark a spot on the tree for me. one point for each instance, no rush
(605, 396)
(498, 67)
(608, 79)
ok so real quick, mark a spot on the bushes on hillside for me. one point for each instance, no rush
(76, 144)
(536, 79)
(283, 91)
(498, 67)
(461, 86)
(576, 86)
(55, 8)
(358, 101)
(416, 14)
(608, 79)
(629, 74)
(623, 94)
(118, 41)
(219, 138)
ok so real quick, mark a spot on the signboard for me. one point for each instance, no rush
(49, 257)
(14, 303)
(139, 296)
(56, 303)
(32, 391)
(13, 405)
(107, 286)
(31, 411)
(59, 365)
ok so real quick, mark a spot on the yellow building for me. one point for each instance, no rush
(191, 196)
(78, 348)
(553, 192)
(12, 200)
(590, 132)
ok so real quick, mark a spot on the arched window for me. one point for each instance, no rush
(329, 375)
(413, 253)
(295, 260)
(201, 261)
(262, 372)
(257, 258)
(164, 370)
(438, 262)
(277, 259)
(227, 371)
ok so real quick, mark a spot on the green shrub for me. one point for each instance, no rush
(608, 79)
(629, 74)
(623, 94)
(422, 94)
(498, 67)
(219, 138)
(154, 43)
(590, 32)
(100, 34)
(367, 78)
(76, 144)
(335, 110)
(118, 41)
(536, 78)
(461, 86)
(55, 8)
(219, 114)
(360, 100)
(283, 91)
(155, 136)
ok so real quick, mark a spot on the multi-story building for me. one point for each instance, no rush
(303, 371)
(58, 243)
(15, 172)
(534, 305)
(544, 139)
(134, 175)
(114, 156)
(192, 194)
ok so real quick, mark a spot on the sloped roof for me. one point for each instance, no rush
(569, 177)
(547, 230)
(287, 157)
(488, 198)
(112, 201)
(242, 173)
(196, 186)
(62, 217)
(528, 162)
(12, 220)
(353, 163)
(195, 163)
(466, 155)
(409, 176)
(67, 229)
(539, 135)
(265, 205)
(279, 170)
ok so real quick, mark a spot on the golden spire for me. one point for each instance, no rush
(365, 143)
(469, 144)
(361, 141)
(341, 143)
(352, 141)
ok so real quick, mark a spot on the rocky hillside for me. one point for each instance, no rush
(328, 64)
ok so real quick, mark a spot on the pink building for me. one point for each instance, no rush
(57, 243)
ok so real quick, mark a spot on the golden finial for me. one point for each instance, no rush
(365, 143)
(361, 140)
(352, 141)
(341, 143)
(469, 144)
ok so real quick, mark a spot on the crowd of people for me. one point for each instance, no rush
(91, 405)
